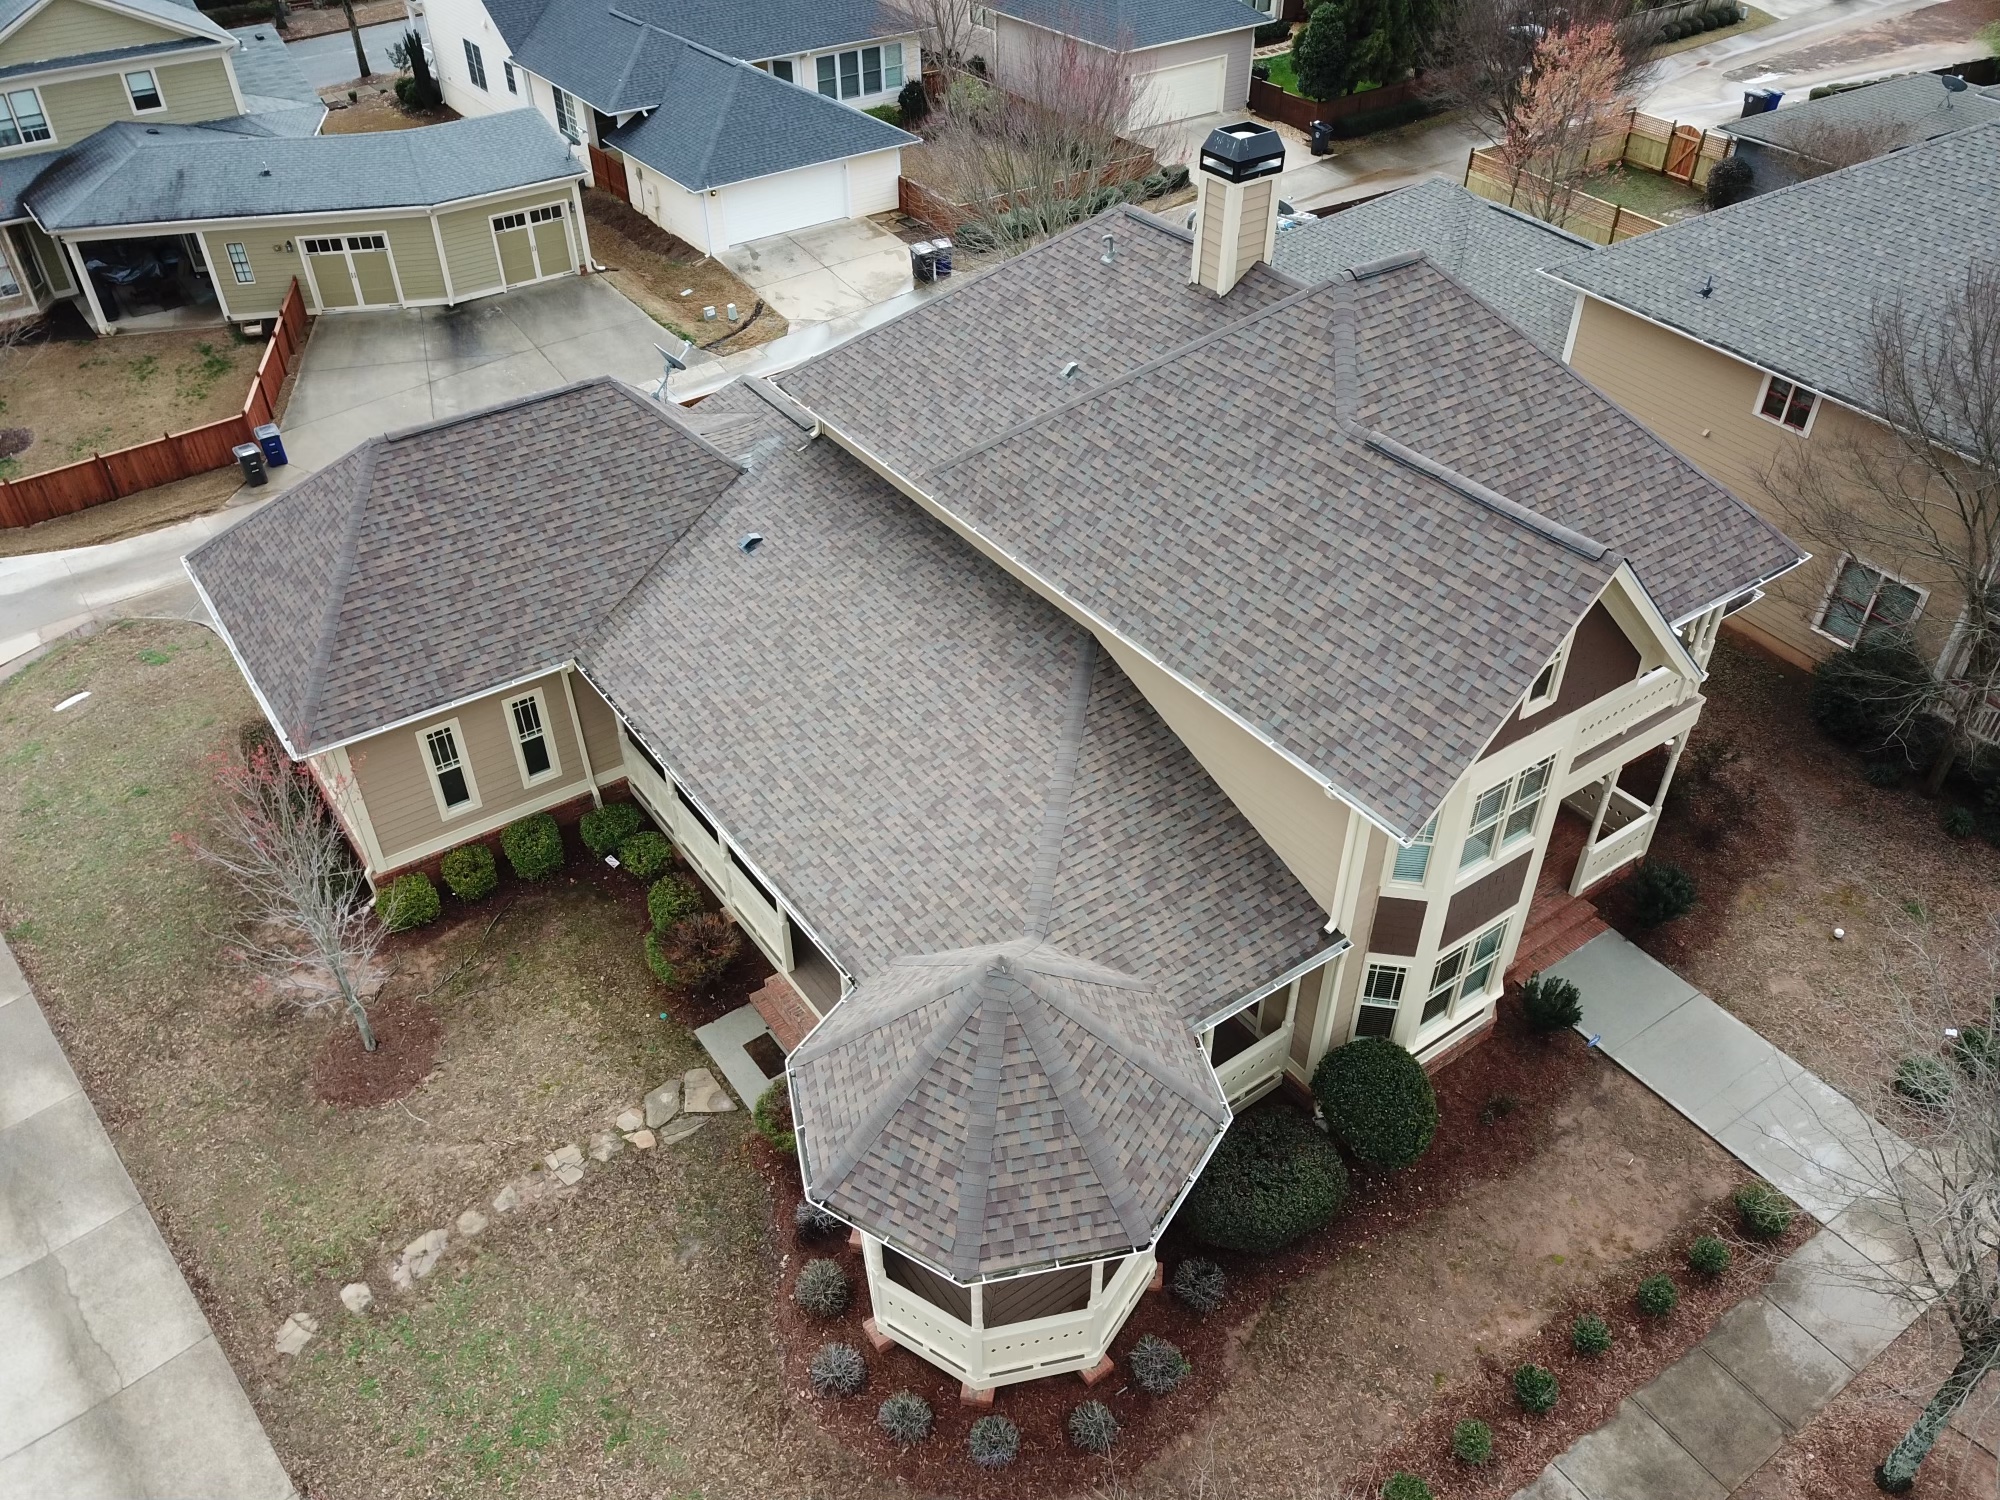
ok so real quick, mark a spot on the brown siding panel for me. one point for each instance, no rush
(1399, 925)
(1483, 900)
(1024, 1298)
(927, 1284)
(1601, 658)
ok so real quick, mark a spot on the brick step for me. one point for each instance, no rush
(1555, 936)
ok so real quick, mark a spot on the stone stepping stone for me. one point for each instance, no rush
(357, 1298)
(642, 1140)
(630, 1121)
(663, 1104)
(471, 1224)
(564, 1156)
(702, 1095)
(682, 1129)
(295, 1333)
(605, 1145)
(420, 1256)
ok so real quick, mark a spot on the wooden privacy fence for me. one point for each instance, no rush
(608, 172)
(1273, 103)
(1594, 219)
(175, 455)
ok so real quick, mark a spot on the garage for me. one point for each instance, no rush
(352, 270)
(788, 201)
(1180, 92)
(533, 245)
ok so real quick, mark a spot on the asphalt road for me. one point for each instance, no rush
(328, 60)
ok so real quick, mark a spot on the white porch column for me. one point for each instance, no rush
(82, 277)
(1667, 776)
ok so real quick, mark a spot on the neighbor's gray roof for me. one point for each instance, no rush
(141, 174)
(141, 52)
(181, 15)
(1918, 104)
(1790, 280)
(270, 79)
(1002, 1108)
(1132, 24)
(725, 121)
(1215, 495)
(1492, 250)
(16, 175)
(443, 561)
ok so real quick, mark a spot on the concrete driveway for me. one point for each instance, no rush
(829, 271)
(370, 373)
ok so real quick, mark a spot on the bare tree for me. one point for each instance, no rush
(308, 926)
(944, 30)
(1827, 146)
(354, 30)
(1569, 97)
(1919, 493)
(1479, 61)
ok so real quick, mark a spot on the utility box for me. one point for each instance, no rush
(250, 459)
(1322, 137)
(266, 434)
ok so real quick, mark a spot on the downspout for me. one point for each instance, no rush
(582, 745)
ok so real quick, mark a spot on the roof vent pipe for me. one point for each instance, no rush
(1110, 248)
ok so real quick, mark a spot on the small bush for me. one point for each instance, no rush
(604, 828)
(694, 952)
(408, 901)
(888, 114)
(533, 846)
(994, 1442)
(1887, 772)
(1407, 1487)
(822, 1289)
(470, 872)
(1959, 822)
(1708, 1256)
(1549, 1003)
(1378, 1101)
(1200, 1284)
(1658, 1296)
(837, 1370)
(1765, 1212)
(1092, 1427)
(906, 1417)
(1271, 33)
(1926, 1082)
(772, 1115)
(1590, 1335)
(1871, 697)
(812, 1223)
(915, 104)
(1661, 892)
(1274, 1178)
(1976, 1050)
(1536, 1389)
(646, 856)
(1158, 1366)
(671, 899)
(1472, 1441)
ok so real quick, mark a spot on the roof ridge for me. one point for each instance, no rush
(1156, 1066)
(342, 576)
(973, 1172)
(1062, 786)
(1554, 531)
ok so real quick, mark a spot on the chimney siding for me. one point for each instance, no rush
(1237, 226)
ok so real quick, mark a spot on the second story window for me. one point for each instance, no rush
(1548, 682)
(1505, 815)
(144, 90)
(566, 116)
(507, 70)
(1787, 404)
(475, 63)
(1414, 863)
(21, 119)
(1867, 606)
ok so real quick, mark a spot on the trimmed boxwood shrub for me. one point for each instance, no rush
(906, 1417)
(533, 846)
(1590, 1335)
(1708, 1256)
(810, 1222)
(1200, 1284)
(994, 1442)
(822, 1289)
(1092, 1427)
(1158, 1366)
(1658, 1296)
(1766, 1213)
(408, 901)
(1472, 1441)
(646, 856)
(1536, 1389)
(1273, 1178)
(1407, 1487)
(1661, 892)
(470, 872)
(671, 899)
(1550, 1003)
(604, 828)
(1378, 1101)
(837, 1370)
(772, 1115)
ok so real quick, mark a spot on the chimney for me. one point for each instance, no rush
(1236, 214)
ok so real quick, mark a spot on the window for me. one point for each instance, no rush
(239, 262)
(533, 750)
(1548, 682)
(866, 70)
(782, 69)
(1414, 863)
(9, 287)
(451, 779)
(1381, 997)
(566, 117)
(367, 242)
(892, 65)
(1505, 814)
(1462, 975)
(1867, 606)
(850, 74)
(507, 72)
(21, 118)
(1788, 404)
(982, 16)
(475, 64)
(144, 91)
(825, 67)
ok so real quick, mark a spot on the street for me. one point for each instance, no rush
(329, 60)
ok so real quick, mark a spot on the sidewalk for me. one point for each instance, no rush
(112, 1386)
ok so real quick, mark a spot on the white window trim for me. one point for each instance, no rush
(1462, 1005)
(557, 99)
(1503, 850)
(1534, 705)
(1833, 582)
(159, 91)
(554, 772)
(244, 272)
(1812, 415)
(1361, 1001)
(48, 121)
(472, 803)
(1426, 836)
(887, 91)
(513, 79)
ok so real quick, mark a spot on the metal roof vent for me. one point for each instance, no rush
(750, 541)
(1708, 287)
(1069, 370)
(1110, 248)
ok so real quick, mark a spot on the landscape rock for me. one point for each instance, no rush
(642, 1140)
(296, 1332)
(399, 1277)
(356, 1297)
(702, 1095)
(681, 1129)
(564, 1156)
(663, 1104)
(605, 1145)
(506, 1200)
(630, 1121)
(420, 1256)
(471, 1224)
(569, 1176)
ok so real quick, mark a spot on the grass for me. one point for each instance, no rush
(1286, 76)
(1653, 194)
(1754, 20)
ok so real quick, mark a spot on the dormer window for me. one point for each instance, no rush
(21, 119)
(1548, 683)
(144, 91)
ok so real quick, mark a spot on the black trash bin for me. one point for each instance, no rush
(1322, 137)
(267, 438)
(923, 261)
(250, 459)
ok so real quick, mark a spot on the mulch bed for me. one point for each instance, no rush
(407, 1037)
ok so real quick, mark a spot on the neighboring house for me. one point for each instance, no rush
(157, 168)
(721, 125)
(1178, 670)
(1494, 251)
(1795, 142)
(1744, 338)
(1187, 58)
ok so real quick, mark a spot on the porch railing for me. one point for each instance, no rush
(1255, 1070)
(1620, 710)
(1622, 838)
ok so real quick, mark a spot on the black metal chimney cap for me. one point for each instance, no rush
(1237, 153)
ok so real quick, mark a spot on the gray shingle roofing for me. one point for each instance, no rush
(1128, 25)
(726, 121)
(115, 54)
(140, 174)
(429, 565)
(1798, 273)
(181, 15)
(1211, 492)
(1002, 1108)
(16, 174)
(1918, 103)
(267, 74)
(1490, 249)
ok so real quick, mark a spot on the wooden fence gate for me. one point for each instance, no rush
(1683, 152)
(608, 171)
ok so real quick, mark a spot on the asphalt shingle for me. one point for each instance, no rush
(1917, 107)
(1128, 25)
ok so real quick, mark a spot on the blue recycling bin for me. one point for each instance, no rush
(941, 255)
(266, 434)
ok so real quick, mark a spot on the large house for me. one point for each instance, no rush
(721, 124)
(1180, 669)
(157, 169)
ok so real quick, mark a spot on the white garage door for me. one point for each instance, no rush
(1180, 92)
(790, 200)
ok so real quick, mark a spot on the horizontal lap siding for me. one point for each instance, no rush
(271, 264)
(415, 249)
(274, 266)
(468, 237)
(196, 91)
(78, 107)
(70, 29)
(871, 182)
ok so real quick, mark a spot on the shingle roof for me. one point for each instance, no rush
(1489, 248)
(17, 173)
(725, 121)
(1002, 1108)
(1128, 25)
(1793, 277)
(270, 79)
(433, 564)
(1918, 104)
(140, 174)
(181, 15)
(1217, 495)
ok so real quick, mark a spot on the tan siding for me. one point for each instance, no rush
(468, 238)
(1250, 232)
(78, 107)
(415, 249)
(55, 265)
(70, 28)
(600, 731)
(195, 91)
(270, 262)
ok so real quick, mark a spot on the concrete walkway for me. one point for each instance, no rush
(112, 1386)
(826, 272)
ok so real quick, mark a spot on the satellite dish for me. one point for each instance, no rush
(1953, 84)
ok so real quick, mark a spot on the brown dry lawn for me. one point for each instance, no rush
(671, 279)
(375, 108)
(318, 20)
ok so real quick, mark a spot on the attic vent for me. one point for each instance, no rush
(152, 130)
(266, 172)
(1069, 370)
(750, 541)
